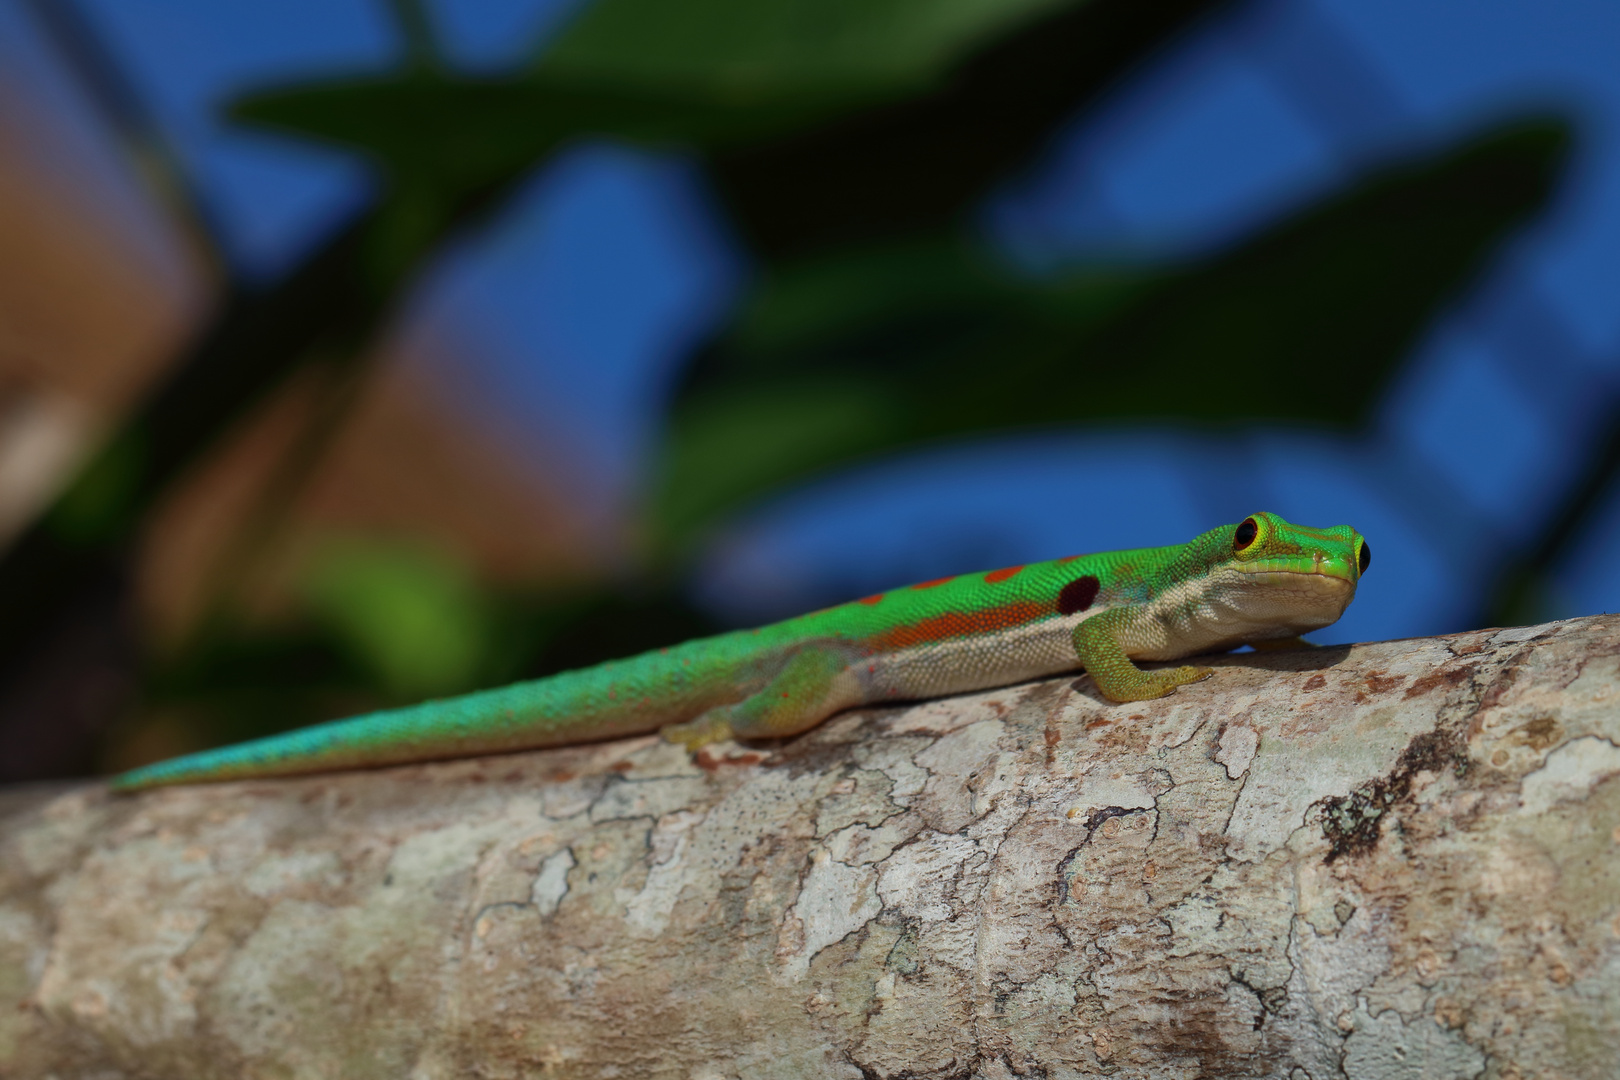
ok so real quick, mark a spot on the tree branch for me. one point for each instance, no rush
(1382, 860)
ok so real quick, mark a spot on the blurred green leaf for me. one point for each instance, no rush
(873, 352)
(748, 46)
(705, 73)
(413, 617)
(804, 304)
(902, 307)
(922, 163)
(463, 134)
(104, 494)
(727, 446)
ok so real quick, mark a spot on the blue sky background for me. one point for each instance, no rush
(581, 300)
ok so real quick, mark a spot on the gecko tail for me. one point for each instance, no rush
(517, 717)
(612, 700)
(337, 745)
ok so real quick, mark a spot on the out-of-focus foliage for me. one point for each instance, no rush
(873, 350)
(412, 617)
(851, 142)
(872, 346)
(740, 49)
(704, 75)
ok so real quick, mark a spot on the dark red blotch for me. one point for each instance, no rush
(1078, 594)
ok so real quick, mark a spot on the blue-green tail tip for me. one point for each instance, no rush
(149, 776)
(201, 767)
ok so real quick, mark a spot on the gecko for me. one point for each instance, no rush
(1261, 582)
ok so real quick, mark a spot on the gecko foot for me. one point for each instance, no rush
(1137, 685)
(711, 727)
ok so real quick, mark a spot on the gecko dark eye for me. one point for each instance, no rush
(1245, 534)
(1366, 557)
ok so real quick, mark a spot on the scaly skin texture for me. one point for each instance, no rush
(1261, 581)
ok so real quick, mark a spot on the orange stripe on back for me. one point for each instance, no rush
(959, 624)
(874, 598)
(936, 582)
(996, 577)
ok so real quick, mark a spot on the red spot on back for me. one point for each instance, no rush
(958, 624)
(874, 598)
(996, 577)
(936, 582)
(1068, 558)
(1078, 595)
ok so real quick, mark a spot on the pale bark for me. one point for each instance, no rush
(1387, 861)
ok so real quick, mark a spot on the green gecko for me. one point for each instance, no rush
(1262, 582)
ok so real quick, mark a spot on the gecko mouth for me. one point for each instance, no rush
(1289, 572)
(1320, 582)
(1292, 597)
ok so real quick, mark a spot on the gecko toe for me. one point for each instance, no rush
(698, 733)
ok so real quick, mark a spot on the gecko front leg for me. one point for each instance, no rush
(1096, 642)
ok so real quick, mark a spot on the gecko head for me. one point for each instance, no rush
(1292, 576)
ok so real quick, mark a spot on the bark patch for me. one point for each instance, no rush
(1353, 823)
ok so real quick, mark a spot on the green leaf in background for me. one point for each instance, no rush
(1303, 323)
(413, 617)
(1308, 320)
(923, 163)
(823, 302)
(711, 72)
(463, 134)
(744, 47)
(102, 496)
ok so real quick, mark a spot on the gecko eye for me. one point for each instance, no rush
(1245, 534)
(1366, 557)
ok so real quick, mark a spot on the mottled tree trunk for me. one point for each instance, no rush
(1392, 860)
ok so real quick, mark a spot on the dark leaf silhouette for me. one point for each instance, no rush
(850, 356)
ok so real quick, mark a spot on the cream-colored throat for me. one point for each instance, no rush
(1228, 607)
